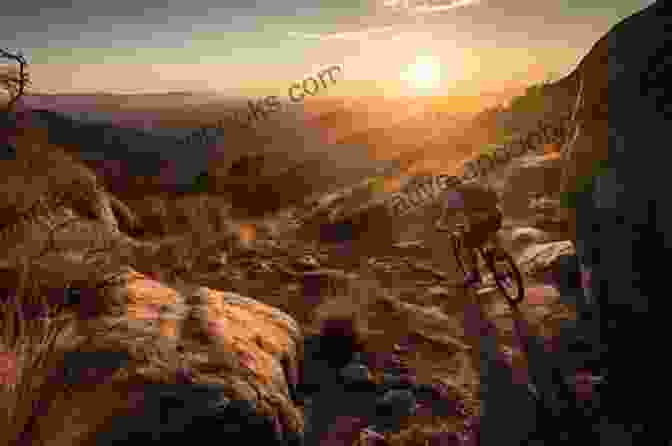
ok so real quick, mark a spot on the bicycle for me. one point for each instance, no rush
(507, 276)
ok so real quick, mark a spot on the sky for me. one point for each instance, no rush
(261, 47)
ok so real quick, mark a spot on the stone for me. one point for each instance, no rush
(354, 373)
(543, 257)
(307, 262)
(523, 237)
(233, 348)
(389, 381)
(397, 403)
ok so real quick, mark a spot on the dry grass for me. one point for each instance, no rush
(31, 329)
(37, 326)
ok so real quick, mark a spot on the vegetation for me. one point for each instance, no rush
(583, 187)
(31, 329)
(507, 122)
(201, 183)
(14, 80)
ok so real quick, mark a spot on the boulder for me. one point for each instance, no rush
(394, 406)
(622, 116)
(181, 339)
(526, 177)
(523, 237)
(542, 258)
(354, 374)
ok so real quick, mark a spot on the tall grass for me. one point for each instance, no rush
(30, 329)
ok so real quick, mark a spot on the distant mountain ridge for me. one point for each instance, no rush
(135, 152)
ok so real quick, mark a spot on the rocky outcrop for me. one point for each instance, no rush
(527, 178)
(248, 352)
(540, 259)
(521, 238)
(44, 186)
(625, 218)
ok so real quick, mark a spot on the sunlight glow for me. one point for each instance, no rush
(424, 74)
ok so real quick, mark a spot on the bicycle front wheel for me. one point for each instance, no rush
(508, 279)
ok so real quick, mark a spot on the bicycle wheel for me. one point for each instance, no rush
(457, 245)
(507, 275)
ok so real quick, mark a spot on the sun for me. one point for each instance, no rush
(424, 74)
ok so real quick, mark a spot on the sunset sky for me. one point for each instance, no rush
(260, 47)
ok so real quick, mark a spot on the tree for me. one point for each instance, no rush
(14, 79)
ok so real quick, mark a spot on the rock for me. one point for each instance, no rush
(411, 244)
(439, 291)
(218, 261)
(193, 336)
(524, 237)
(372, 438)
(541, 295)
(179, 412)
(390, 381)
(354, 373)
(325, 282)
(529, 175)
(432, 324)
(544, 205)
(617, 242)
(396, 404)
(543, 257)
(307, 263)
(344, 431)
(446, 438)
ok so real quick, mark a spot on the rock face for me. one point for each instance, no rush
(176, 343)
(521, 238)
(541, 258)
(536, 175)
(625, 115)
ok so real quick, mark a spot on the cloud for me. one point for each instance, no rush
(429, 8)
(397, 4)
(352, 35)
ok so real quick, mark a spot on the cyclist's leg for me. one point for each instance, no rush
(472, 260)
(494, 224)
(471, 242)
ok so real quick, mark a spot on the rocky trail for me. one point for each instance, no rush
(413, 356)
(303, 337)
(339, 323)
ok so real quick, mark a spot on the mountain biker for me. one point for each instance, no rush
(478, 207)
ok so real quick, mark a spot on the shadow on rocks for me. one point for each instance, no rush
(184, 412)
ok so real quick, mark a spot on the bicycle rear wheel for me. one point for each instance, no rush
(507, 276)
(457, 252)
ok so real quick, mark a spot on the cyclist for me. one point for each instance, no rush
(478, 206)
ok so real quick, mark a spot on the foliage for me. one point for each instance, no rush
(201, 183)
(14, 80)
(507, 121)
(31, 329)
(583, 187)
(489, 150)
